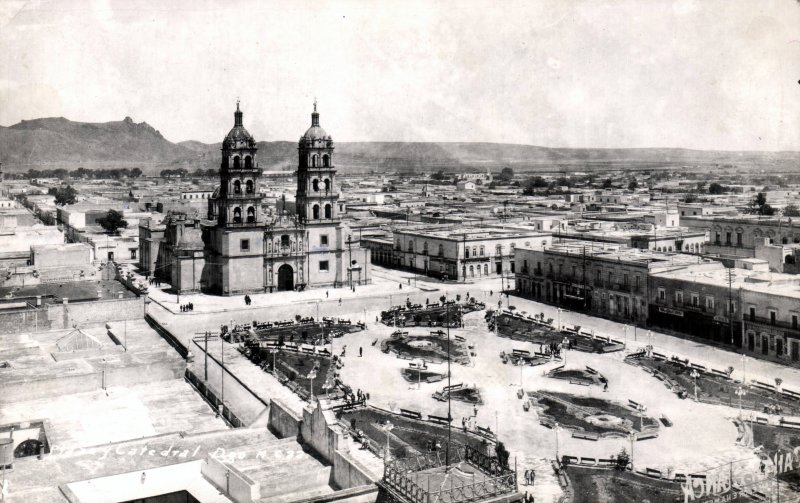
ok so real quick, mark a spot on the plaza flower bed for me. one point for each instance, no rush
(301, 331)
(593, 415)
(292, 368)
(713, 386)
(460, 393)
(407, 436)
(592, 485)
(432, 347)
(414, 375)
(577, 375)
(773, 439)
(532, 329)
(430, 315)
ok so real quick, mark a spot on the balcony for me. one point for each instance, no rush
(762, 322)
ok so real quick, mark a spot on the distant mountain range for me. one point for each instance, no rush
(59, 142)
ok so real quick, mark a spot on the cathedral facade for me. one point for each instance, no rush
(246, 251)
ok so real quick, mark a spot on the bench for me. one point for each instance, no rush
(665, 420)
(659, 356)
(644, 435)
(438, 419)
(587, 461)
(652, 472)
(410, 413)
(591, 370)
(633, 404)
(585, 435)
(789, 424)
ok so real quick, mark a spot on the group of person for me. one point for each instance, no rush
(530, 477)
(187, 307)
(773, 409)
(154, 281)
(247, 300)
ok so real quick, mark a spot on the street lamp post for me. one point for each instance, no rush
(694, 375)
(631, 437)
(744, 370)
(740, 391)
(388, 427)
(558, 327)
(555, 429)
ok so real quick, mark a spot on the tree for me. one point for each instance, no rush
(759, 206)
(533, 183)
(623, 458)
(439, 175)
(690, 198)
(136, 172)
(633, 185)
(505, 175)
(65, 195)
(716, 188)
(502, 454)
(607, 183)
(113, 221)
(791, 210)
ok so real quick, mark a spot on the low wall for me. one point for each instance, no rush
(282, 421)
(230, 481)
(347, 472)
(64, 316)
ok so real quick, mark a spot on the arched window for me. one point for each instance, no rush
(474, 251)
(327, 185)
(285, 241)
(315, 211)
(251, 215)
(314, 161)
(326, 160)
(237, 215)
(472, 271)
(483, 250)
(315, 185)
(328, 211)
(236, 162)
(466, 252)
(248, 162)
(411, 246)
(237, 187)
(441, 250)
(498, 250)
(248, 186)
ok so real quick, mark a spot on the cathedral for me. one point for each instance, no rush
(240, 248)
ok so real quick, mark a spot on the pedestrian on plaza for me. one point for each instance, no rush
(475, 411)
(527, 477)
(491, 293)
(605, 386)
(360, 351)
(191, 306)
(401, 286)
(340, 301)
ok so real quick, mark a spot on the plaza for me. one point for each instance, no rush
(701, 435)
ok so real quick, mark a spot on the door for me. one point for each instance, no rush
(751, 342)
(795, 350)
(285, 277)
(764, 345)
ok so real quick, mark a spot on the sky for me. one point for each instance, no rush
(702, 74)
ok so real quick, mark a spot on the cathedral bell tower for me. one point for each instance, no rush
(239, 199)
(317, 192)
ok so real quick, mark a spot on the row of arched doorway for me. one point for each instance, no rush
(237, 215)
(315, 211)
(238, 163)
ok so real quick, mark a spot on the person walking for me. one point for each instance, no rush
(360, 351)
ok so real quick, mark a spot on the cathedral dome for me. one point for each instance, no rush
(238, 133)
(315, 132)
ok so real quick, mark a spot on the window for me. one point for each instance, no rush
(482, 251)
(323, 240)
(237, 187)
(662, 294)
(244, 244)
(248, 162)
(251, 215)
(625, 280)
(486, 269)
(638, 280)
(315, 185)
(328, 211)
(498, 250)
(323, 265)
(794, 321)
(285, 241)
(695, 300)
(133, 253)
(752, 313)
(248, 186)
(738, 239)
(512, 267)
(237, 215)
(315, 212)
(679, 297)
(728, 238)
(772, 317)
(710, 303)
(411, 246)
(441, 250)
(466, 252)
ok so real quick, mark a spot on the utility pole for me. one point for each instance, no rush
(730, 272)
(449, 390)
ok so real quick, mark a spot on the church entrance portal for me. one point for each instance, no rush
(285, 277)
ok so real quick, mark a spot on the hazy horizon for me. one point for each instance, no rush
(710, 75)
